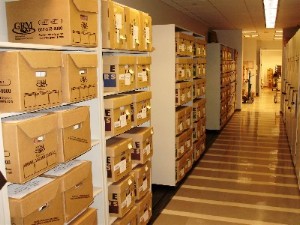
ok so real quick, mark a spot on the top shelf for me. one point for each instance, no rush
(11, 45)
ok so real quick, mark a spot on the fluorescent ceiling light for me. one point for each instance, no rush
(278, 35)
(247, 35)
(249, 31)
(270, 12)
(278, 31)
(254, 35)
(277, 38)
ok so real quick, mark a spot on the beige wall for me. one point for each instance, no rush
(269, 44)
(162, 13)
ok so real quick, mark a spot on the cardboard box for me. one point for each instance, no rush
(30, 144)
(142, 179)
(118, 73)
(39, 201)
(142, 71)
(184, 44)
(180, 168)
(200, 47)
(133, 29)
(76, 185)
(189, 68)
(144, 209)
(197, 88)
(117, 114)
(183, 92)
(118, 160)
(189, 139)
(197, 149)
(180, 70)
(89, 217)
(197, 130)
(189, 161)
(29, 80)
(142, 149)
(146, 29)
(180, 119)
(121, 196)
(54, 22)
(180, 145)
(199, 67)
(74, 135)
(203, 126)
(198, 109)
(79, 77)
(188, 117)
(140, 106)
(113, 25)
(189, 42)
(129, 219)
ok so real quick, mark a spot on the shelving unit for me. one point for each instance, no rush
(165, 59)
(221, 85)
(96, 154)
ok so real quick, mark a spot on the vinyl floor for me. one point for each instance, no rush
(245, 177)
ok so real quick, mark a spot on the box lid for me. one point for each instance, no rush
(84, 60)
(125, 220)
(142, 169)
(138, 96)
(143, 60)
(121, 185)
(143, 131)
(181, 60)
(116, 101)
(142, 203)
(89, 217)
(119, 60)
(116, 145)
(86, 6)
(182, 137)
(33, 124)
(42, 59)
(70, 115)
(27, 198)
(71, 173)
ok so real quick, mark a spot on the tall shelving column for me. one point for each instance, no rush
(172, 100)
(97, 153)
(221, 85)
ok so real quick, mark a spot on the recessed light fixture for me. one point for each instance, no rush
(278, 35)
(249, 31)
(270, 12)
(278, 31)
(277, 38)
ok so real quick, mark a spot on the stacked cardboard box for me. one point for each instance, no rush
(184, 44)
(125, 28)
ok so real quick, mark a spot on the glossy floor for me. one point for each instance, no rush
(246, 176)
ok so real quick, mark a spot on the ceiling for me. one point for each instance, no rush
(239, 14)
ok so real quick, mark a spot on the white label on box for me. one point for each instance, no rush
(190, 48)
(145, 185)
(118, 36)
(63, 168)
(182, 172)
(147, 149)
(127, 79)
(122, 76)
(145, 216)
(182, 47)
(183, 97)
(182, 72)
(135, 36)
(128, 200)
(147, 33)
(189, 73)
(123, 121)
(180, 126)
(144, 113)
(143, 75)
(189, 163)
(19, 191)
(188, 143)
(188, 122)
(182, 149)
(117, 124)
(121, 166)
(203, 70)
(189, 94)
(118, 21)
(124, 203)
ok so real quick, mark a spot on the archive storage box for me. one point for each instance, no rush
(140, 107)
(75, 178)
(118, 160)
(118, 73)
(142, 71)
(197, 130)
(74, 134)
(142, 149)
(142, 179)
(197, 109)
(188, 117)
(89, 217)
(189, 139)
(117, 114)
(197, 88)
(180, 70)
(199, 67)
(30, 143)
(189, 161)
(184, 44)
(144, 209)
(180, 146)
(197, 149)
(129, 219)
(79, 78)
(180, 119)
(133, 29)
(39, 201)
(146, 29)
(113, 25)
(30, 80)
(189, 68)
(180, 168)
(183, 92)
(200, 45)
(54, 22)
(121, 196)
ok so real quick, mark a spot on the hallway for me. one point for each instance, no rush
(246, 177)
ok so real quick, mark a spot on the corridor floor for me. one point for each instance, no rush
(246, 176)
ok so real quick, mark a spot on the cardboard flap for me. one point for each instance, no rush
(35, 200)
(86, 6)
(42, 125)
(42, 59)
(82, 113)
(84, 60)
